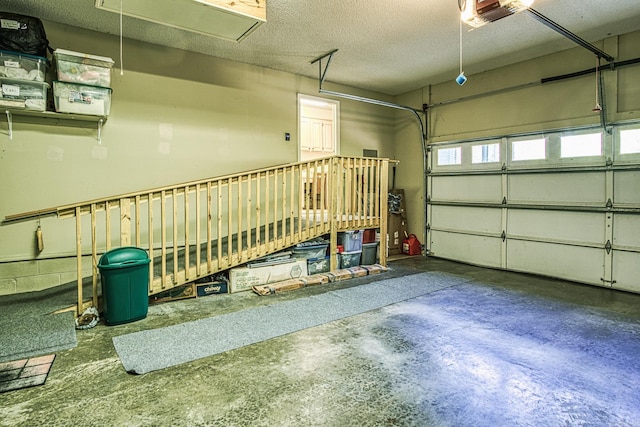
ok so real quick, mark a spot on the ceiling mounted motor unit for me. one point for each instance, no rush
(477, 13)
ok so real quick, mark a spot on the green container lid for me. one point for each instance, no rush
(128, 256)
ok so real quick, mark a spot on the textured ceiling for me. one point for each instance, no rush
(387, 46)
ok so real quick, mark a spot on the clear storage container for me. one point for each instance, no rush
(315, 266)
(31, 95)
(76, 67)
(352, 240)
(310, 251)
(350, 259)
(15, 65)
(81, 99)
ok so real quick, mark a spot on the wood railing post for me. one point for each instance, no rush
(383, 194)
(333, 212)
(79, 258)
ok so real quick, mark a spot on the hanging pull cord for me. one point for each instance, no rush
(598, 107)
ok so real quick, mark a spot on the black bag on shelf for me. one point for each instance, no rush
(23, 34)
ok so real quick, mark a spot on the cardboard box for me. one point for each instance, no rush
(396, 229)
(212, 288)
(177, 293)
(244, 278)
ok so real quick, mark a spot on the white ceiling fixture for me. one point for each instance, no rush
(226, 20)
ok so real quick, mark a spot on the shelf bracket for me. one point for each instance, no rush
(10, 122)
(100, 122)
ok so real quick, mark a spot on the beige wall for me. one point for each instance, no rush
(536, 107)
(176, 116)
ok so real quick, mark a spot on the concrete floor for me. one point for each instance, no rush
(388, 367)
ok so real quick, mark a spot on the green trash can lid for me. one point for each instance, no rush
(126, 256)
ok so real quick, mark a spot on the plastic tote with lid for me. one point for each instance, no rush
(124, 274)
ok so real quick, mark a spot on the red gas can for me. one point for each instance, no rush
(411, 245)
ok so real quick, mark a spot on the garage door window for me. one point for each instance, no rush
(486, 153)
(630, 141)
(581, 145)
(529, 149)
(450, 156)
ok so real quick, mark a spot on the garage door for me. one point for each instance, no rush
(562, 204)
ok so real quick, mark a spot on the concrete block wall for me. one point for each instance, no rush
(37, 275)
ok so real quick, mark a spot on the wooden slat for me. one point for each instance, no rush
(209, 224)
(314, 201)
(292, 186)
(321, 195)
(163, 243)
(275, 209)
(151, 243)
(249, 206)
(94, 254)
(79, 258)
(334, 211)
(239, 204)
(174, 199)
(253, 8)
(300, 202)
(308, 190)
(383, 195)
(230, 218)
(187, 220)
(259, 245)
(341, 190)
(219, 216)
(107, 220)
(137, 214)
(267, 198)
(284, 207)
(125, 222)
(198, 229)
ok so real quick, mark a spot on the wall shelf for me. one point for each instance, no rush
(49, 117)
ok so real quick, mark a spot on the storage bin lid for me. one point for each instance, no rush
(83, 58)
(99, 89)
(351, 253)
(128, 256)
(24, 55)
(12, 81)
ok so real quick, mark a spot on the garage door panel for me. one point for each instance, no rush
(626, 271)
(574, 227)
(626, 230)
(467, 219)
(475, 188)
(480, 250)
(568, 262)
(585, 188)
(626, 185)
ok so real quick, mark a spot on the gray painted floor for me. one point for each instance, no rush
(500, 349)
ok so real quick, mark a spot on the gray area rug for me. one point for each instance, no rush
(29, 336)
(146, 351)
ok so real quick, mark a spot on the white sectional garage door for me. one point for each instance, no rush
(565, 204)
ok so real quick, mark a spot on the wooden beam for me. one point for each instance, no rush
(253, 8)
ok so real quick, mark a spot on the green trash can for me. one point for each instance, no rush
(124, 275)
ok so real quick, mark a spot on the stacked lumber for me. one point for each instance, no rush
(319, 279)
